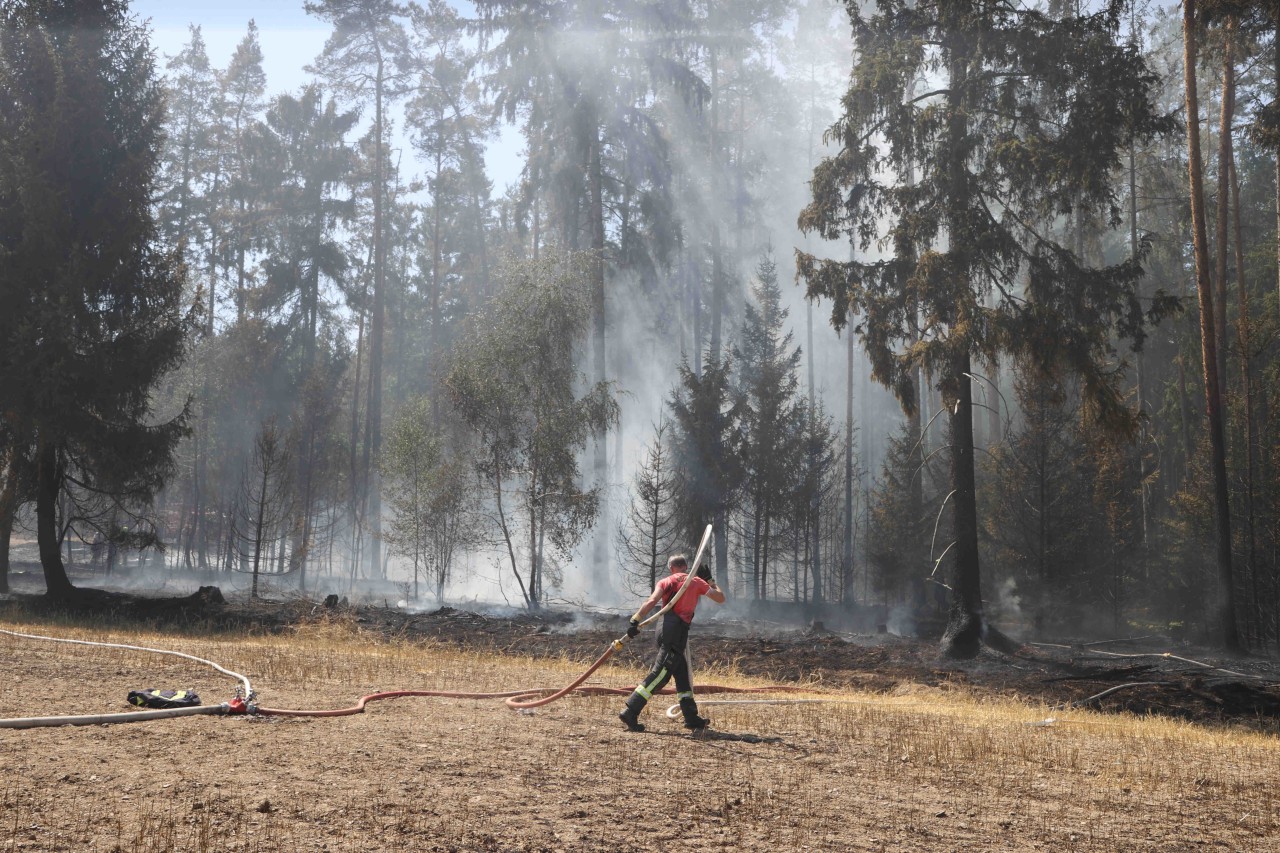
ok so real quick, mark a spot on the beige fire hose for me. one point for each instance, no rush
(532, 700)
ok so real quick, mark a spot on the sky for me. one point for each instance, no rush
(291, 39)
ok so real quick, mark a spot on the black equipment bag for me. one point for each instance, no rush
(153, 698)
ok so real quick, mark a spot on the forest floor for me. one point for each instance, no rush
(906, 752)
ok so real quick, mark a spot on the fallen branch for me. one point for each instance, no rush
(1080, 703)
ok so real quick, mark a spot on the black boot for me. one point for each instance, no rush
(631, 713)
(691, 719)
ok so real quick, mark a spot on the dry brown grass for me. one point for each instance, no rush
(921, 769)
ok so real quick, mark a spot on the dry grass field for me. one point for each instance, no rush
(913, 768)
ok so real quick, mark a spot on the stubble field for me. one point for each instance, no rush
(912, 767)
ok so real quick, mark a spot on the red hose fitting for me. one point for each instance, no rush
(237, 706)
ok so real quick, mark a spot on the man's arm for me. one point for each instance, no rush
(649, 604)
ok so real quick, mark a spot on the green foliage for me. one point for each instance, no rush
(515, 383)
(772, 419)
(901, 545)
(706, 444)
(961, 184)
(93, 317)
(1038, 514)
(299, 154)
(431, 492)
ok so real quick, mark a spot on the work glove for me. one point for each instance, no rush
(704, 572)
(633, 628)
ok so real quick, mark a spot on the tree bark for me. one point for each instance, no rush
(963, 635)
(1243, 336)
(373, 425)
(1208, 343)
(599, 566)
(48, 486)
(8, 509)
(1226, 114)
(847, 595)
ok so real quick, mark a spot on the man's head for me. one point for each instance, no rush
(678, 563)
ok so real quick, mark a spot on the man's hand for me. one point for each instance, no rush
(704, 572)
(633, 628)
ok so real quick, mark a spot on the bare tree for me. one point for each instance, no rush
(650, 530)
(266, 499)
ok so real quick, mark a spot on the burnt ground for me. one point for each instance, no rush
(1147, 675)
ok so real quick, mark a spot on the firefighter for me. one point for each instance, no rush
(671, 662)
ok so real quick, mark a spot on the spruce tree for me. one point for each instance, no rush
(962, 182)
(93, 314)
(772, 418)
(708, 419)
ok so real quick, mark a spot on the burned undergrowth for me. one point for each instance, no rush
(1143, 676)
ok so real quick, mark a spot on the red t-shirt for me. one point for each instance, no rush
(688, 602)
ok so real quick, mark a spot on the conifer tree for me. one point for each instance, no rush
(240, 101)
(366, 58)
(191, 88)
(93, 308)
(708, 418)
(450, 125)
(1038, 517)
(772, 418)
(1026, 123)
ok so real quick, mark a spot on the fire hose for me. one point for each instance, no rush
(527, 699)
(243, 703)
(524, 702)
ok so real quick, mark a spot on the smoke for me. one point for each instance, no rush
(901, 621)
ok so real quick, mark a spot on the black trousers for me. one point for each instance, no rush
(670, 663)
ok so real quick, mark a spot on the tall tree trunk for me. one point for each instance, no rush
(434, 348)
(1226, 115)
(48, 487)
(847, 592)
(373, 425)
(599, 568)
(716, 308)
(1208, 342)
(1243, 336)
(357, 481)
(1140, 357)
(963, 636)
(8, 509)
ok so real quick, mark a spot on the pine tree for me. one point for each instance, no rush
(93, 317)
(708, 419)
(238, 216)
(772, 418)
(901, 547)
(450, 126)
(366, 58)
(1027, 122)
(191, 87)
(1038, 517)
